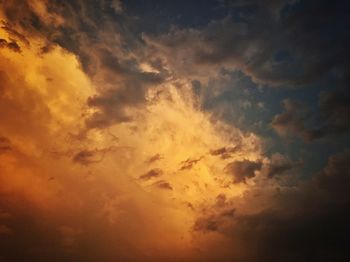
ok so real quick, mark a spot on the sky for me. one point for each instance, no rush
(177, 131)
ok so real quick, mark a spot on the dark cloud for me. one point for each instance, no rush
(114, 105)
(189, 163)
(154, 158)
(242, 170)
(224, 152)
(153, 173)
(86, 157)
(10, 45)
(162, 184)
(14, 34)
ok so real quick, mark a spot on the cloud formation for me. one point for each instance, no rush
(110, 149)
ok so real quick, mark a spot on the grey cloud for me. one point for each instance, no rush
(127, 93)
(242, 170)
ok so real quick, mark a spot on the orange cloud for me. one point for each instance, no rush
(84, 182)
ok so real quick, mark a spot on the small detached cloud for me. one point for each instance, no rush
(242, 170)
(153, 173)
(86, 157)
(189, 163)
(225, 152)
(154, 158)
(162, 184)
(12, 45)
